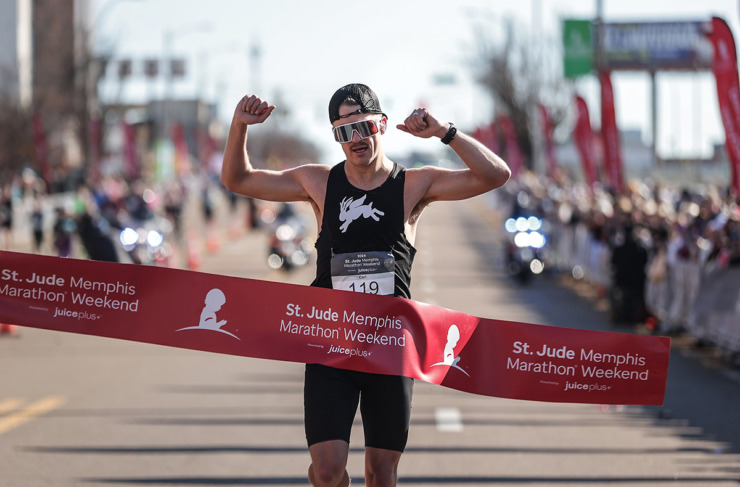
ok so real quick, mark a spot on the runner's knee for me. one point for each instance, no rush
(381, 468)
(327, 473)
(380, 475)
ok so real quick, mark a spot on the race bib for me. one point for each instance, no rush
(364, 272)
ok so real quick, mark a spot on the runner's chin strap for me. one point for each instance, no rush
(350, 330)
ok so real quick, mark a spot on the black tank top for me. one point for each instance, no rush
(376, 225)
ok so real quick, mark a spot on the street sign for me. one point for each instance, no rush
(636, 46)
(578, 51)
(655, 46)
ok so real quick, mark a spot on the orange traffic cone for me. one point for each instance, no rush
(212, 241)
(193, 250)
(6, 329)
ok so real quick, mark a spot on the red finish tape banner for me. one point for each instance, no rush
(356, 331)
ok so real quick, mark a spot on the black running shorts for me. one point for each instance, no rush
(330, 399)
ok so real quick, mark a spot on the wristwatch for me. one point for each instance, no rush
(450, 134)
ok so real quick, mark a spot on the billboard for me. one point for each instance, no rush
(655, 46)
(637, 46)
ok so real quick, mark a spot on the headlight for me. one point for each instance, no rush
(522, 225)
(510, 225)
(521, 240)
(530, 239)
(128, 237)
(537, 240)
(285, 232)
(154, 238)
(275, 261)
(534, 223)
(536, 266)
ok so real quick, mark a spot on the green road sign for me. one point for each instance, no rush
(578, 51)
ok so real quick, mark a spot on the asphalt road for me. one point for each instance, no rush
(85, 411)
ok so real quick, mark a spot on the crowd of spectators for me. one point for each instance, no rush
(667, 258)
(84, 223)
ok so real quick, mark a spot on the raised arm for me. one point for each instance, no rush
(238, 175)
(485, 170)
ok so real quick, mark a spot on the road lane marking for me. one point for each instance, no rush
(448, 420)
(8, 405)
(22, 416)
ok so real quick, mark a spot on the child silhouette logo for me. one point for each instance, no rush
(453, 336)
(215, 299)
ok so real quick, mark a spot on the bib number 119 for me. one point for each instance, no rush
(370, 287)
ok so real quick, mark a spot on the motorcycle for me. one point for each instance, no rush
(289, 246)
(525, 248)
(145, 242)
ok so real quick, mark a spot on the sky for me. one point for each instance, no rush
(308, 49)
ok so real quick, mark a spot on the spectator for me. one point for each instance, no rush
(37, 225)
(656, 286)
(6, 218)
(64, 228)
(97, 242)
(628, 262)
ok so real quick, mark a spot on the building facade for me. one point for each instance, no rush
(16, 54)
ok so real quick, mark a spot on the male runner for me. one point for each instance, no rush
(367, 203)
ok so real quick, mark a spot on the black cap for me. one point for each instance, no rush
(356, 94)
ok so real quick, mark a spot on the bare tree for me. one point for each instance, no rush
(279, 149)
(520, 71)
(16, 138)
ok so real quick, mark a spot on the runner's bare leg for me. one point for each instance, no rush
(381, 467)
(329, 464)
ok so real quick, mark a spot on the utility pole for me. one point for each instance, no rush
(255, 68)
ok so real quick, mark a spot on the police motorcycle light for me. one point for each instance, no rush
(521, 240)
(285, 232)
(274, 261)
(534, 223)
(128, 238)
(299, 258)
(537, 240)
(536, 266)
(522, 224)
(154, 238)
